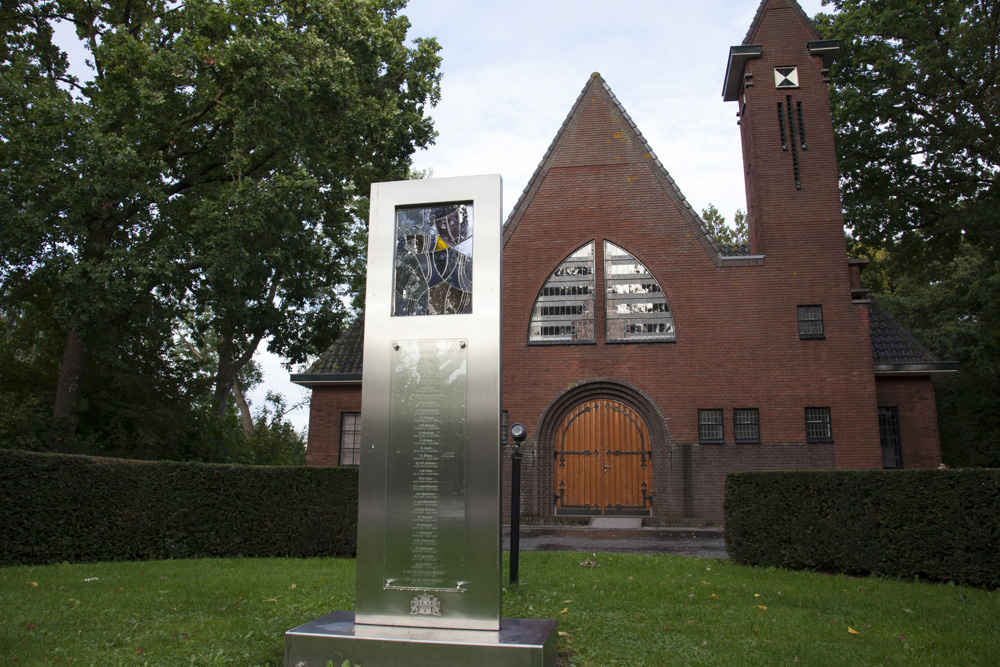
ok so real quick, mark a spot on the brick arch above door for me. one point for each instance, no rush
(598, 390)
(602, 388)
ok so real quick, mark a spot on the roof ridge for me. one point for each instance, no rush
(758, 17)
(527, 194)
(671, 189)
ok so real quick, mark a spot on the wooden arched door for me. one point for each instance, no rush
(603, 460)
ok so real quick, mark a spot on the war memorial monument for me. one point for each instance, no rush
(429, 544)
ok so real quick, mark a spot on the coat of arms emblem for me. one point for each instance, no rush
(425, 604)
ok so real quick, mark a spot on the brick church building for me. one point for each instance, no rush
(645, 359)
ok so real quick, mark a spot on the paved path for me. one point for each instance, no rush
(703, 542)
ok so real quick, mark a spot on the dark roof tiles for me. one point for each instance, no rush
(892, 343)
(345, 355)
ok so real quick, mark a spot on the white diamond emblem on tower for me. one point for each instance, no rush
(786, 77)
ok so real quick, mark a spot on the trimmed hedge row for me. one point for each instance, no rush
(56, 508)
(934, 524)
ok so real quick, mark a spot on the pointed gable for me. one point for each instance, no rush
(599, 132)
(781, 12)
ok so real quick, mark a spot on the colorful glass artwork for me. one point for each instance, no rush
(433, 262)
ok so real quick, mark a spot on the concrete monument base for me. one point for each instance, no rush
(336, 637)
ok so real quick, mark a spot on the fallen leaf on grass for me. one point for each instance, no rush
(565, 609)
(761, 607)
(292, 587)
(852, 631)
(272, 599)
(756, 595)
(34, 584)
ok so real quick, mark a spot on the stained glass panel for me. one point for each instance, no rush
(564, 310)
(636, 306)
(433, 260)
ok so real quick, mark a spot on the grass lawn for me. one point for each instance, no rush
(612, 609)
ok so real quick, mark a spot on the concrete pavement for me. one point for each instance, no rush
(704, 542)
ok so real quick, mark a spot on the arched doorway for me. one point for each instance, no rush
(603, 460)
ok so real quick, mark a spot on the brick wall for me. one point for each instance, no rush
(913, 397)
(737, 343)
(325, 408)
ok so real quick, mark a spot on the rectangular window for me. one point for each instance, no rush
(811, 322)
(818, 427)
(746, 424)
(350, 438)
(710, 426)
(503, 427)
(892, 446)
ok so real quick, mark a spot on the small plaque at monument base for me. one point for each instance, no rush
(336, 637)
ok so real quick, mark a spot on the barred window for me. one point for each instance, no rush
(350, 438)
(746, 424)
(892, 447)
(818, 427)
(564, 309)
(811, 322)
(710, 426)
(503, 427)
(636, 306)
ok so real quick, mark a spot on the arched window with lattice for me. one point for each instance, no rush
(564, 309)
(637, 308)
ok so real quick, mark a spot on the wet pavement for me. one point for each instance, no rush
(702, 542)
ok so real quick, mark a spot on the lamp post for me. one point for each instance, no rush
(518, 434)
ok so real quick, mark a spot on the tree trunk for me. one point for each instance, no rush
(245, 416)
(69, 390)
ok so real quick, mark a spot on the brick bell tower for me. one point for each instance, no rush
(778, 77)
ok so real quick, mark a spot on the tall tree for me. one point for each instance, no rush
(916, 97)
(916, 102)
(211, 164)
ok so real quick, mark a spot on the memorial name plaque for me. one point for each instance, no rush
(426, 476)
(428, 568)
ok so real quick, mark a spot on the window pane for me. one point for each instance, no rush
(892, 449)
(810, 321)
(350, 438)
(818, 427)
(746, 424)
(564, 310)
(636, 306)
(710, 425)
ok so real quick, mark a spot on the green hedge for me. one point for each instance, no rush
(934, 524)
(56, 508)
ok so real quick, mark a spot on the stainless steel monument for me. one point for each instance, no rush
(429, 552)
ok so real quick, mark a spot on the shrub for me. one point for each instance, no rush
(934, 524)
(56, 507)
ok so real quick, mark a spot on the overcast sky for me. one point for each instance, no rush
(513, 69)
